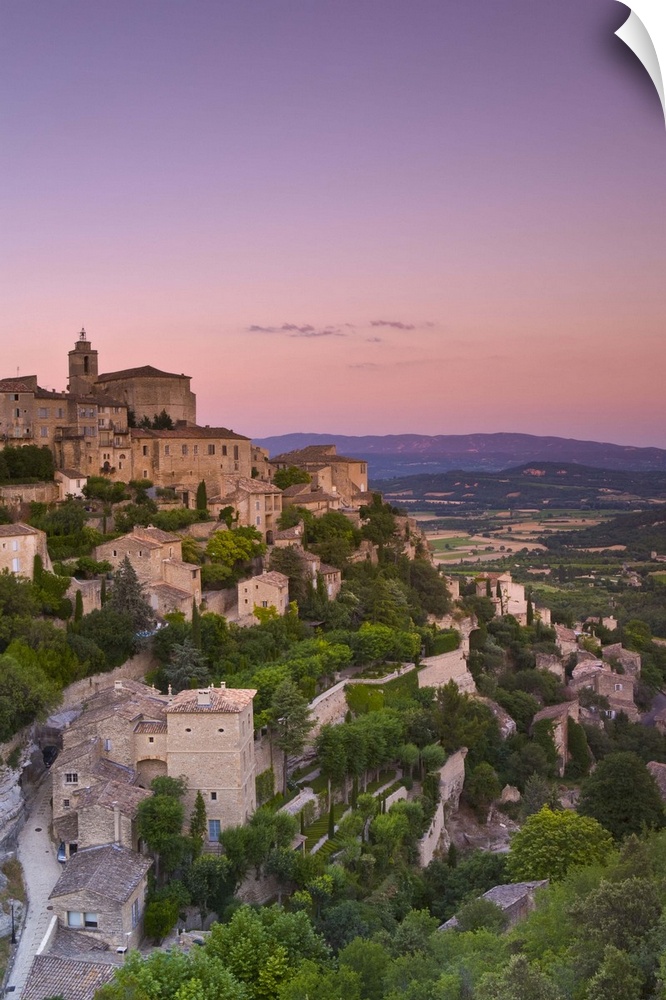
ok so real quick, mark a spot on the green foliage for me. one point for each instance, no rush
(290, 476)
(551, 843)
(481, 914)
(198, 823)
(265, 786)
(579, 762)
(291, 721)
(29, 463)
(622, 795)
(159, 917)
(26, 694)
(202, 496)
(128, 598)
(233, 550)
(187, 667)
(100, 488)
(482, 789)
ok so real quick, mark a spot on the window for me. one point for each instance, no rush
(151, 739)
(16, 566)
(135, 913)
(71, 777)
(16, 397)
(65, 803)
(213, 796)
(195, 449)
(224, 448)
(167, 449)
(213, 830)
(264, 604)
(60, 413)
(43, 412)
(90, 920)
(145, 473)
(17, 412)
(618, 687)
(74, 919)
(184, 449)
(257, 505)
(145, 449)
(15, 545)
(236, 452)
(211, 449)
(107, 744)
(43, 432)
(258, 520)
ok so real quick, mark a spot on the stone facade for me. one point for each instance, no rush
(19, 544)
(101, 893)
(618, 689)
(257, 504)
(156, 556)
(268, 590)
(510, 601)
(210, 742)
(183, 457)
(436, 671)
(559, 716)
(331, 474)
(147, 391)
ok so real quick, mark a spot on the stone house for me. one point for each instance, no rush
(70, 482)
(287, 537)
(19, 544)
(91, 593)
(147, 391)
(553, 664)
(156, 556)
(510, 601)
(181, 458)
(330, 473)
(616, 654)
(516, 900)
(101, 893)
(210, 742)
(71, 979)
(268, 590)
(597, 676)
(566, 640)
(258, 505)
(559, 716)
(130, 735)
(317, 501)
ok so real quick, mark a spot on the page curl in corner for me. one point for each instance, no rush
(644, 32)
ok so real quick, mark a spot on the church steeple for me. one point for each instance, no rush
(82, 366)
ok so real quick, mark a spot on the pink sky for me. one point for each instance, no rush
(485, 183)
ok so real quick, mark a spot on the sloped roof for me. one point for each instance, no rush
(10, 530)
(110, 871)
(191, 432)
(245, 485)
(113, 793)
(229, 700)
(147, 371)
(52, 976)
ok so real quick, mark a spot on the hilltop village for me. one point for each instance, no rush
(231, 679)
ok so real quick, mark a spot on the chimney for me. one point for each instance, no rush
(116, 824)
(203, 697)
(117, 685)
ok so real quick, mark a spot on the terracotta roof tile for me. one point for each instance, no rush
(229, 700)
(52, 976)
(147, 371)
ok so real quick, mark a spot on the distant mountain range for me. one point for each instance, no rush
(394, 455)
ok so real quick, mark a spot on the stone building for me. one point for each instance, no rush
(71, 979)
(311, 498)
(19, 544)
(101, 893)
(618, 689)
(147, 391)
(183, 457)
(559, 716)
(507, 596)
(257, 504)
(131, 734)
(268, 590)
(210, 742)
(70, 483)
(156, 556)
(330, 473)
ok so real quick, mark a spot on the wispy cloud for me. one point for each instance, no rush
(374, 340)
(393, 324)
(364, 364)
(293, 330)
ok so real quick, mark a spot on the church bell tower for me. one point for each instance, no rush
(82, 366)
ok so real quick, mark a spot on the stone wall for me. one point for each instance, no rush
(452, 779)
(133, 669)
(439, 670)
(267, 756)
(14, 495)
(329, 707)
(435, 838)
(397, 796)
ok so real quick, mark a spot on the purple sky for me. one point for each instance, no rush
(362, 216)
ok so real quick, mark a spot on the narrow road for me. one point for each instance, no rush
(41, 871)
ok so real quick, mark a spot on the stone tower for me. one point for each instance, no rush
(82, 366)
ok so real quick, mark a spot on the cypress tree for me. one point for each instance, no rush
(78, 606)
(198, 824)
(37, 570)
(331, 822)
(102, 594)
(530, 611)
(127, 597)
(196, 625)
(202, 496)
(302, 815)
